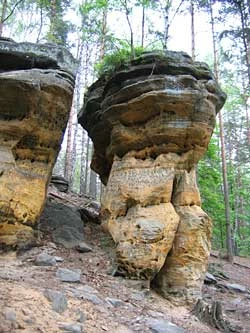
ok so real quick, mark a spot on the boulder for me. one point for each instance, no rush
(63, 223)
(150, 123)
(60, 183)
(36, 89)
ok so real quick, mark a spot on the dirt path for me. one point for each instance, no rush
(99, 302)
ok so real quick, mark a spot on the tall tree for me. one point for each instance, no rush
(222, 142)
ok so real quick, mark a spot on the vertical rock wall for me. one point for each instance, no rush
(36, 88)
(150, 124)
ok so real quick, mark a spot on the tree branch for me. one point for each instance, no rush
(12, 11)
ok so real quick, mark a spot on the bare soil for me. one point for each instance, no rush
(24, 308)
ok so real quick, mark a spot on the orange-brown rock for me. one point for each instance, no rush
(36, 87)
(151, 122)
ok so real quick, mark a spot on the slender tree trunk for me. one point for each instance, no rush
(52, 17)
(166, 25)
(77, 104)
(2, 17)
(92, 184)
(41, 24)
(143, 26)
(223, 153)
(83, 185)
(125, 4)
(103, 33)
(86, 173)
(68, 159)
(192, 29)
(245, 36)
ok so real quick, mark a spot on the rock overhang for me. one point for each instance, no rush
(150, 123)
(36, 89)
(167, 90)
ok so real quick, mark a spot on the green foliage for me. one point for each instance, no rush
(116, 61)
(210, 184)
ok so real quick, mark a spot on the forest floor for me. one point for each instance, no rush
(100, 302)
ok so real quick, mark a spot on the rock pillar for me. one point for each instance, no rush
(36, 88)
(151, 122)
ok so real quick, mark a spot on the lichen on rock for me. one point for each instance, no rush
(36, 89)
(150, 124)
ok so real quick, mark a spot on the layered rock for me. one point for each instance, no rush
(36, 88)
(150, 124)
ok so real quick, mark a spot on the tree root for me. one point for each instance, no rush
(213, 316)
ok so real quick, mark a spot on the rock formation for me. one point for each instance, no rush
(36, 88)
(151, 122)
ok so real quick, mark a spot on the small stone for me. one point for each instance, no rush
(58, 299)
(104, 328)
(59, 259)
(210, 279)
(69, 275)
(74, 328)
(81, 316)
(236, 287)
(138, 296)
(83, 248)
(29, 320)
(155, 314)
(10, 314)
(92, 298)
(123, 329)
(114, 301)
(163, 326)
(44, 259)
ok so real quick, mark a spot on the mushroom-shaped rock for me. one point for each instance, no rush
(150, 124)
(36, 89)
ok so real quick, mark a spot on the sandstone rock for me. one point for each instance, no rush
(69, 275)
(236, 287)
(58, 299)
(36, 87)
(10, 314)
(72, 327)
(115, 301)
(210, 279)
(63, 223)
(44, 259)
(60, 183)
(163, 326)
(150, 123)
(183, 273)
(83, 247)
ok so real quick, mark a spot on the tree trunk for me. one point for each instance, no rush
(83, 185)
(192, 29)
(245, 35)
(85, 170)
(2, 17)
(223, 154)
(130, 29)
(166, 25)
(143, 26)
(103, 32)
(68, 159)
(92, 184)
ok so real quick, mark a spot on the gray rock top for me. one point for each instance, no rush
(29, 55)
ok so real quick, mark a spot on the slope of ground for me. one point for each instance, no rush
(100, 302)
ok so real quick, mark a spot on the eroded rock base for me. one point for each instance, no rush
(152, 209)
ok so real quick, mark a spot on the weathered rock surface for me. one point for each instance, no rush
(150, 124)
(63, 223)
(36, 87)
